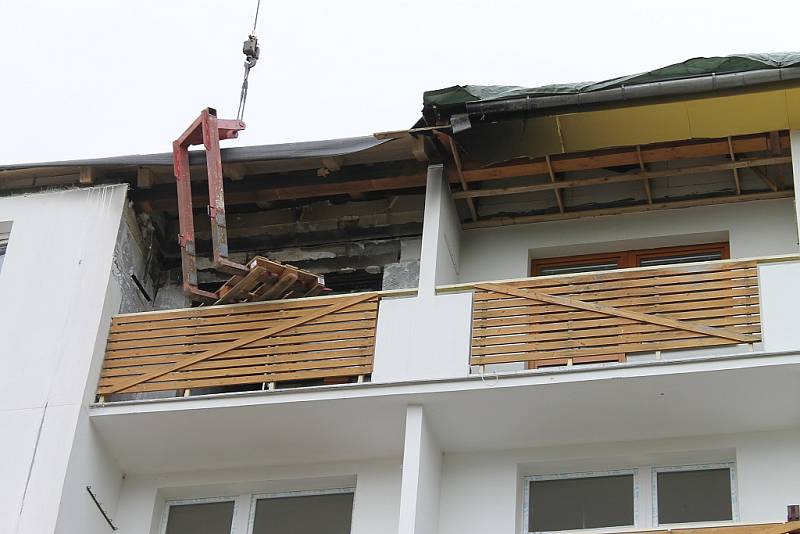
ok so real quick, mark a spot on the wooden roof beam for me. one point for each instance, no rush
(547, 217)
(622, 178)
(629, 156)
(457, 160)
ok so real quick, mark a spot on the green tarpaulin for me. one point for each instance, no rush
(701, 66)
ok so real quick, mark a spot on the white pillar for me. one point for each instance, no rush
(794, 139)
(441, 234)
(422, 473)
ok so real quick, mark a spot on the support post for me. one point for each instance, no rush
(794, 140)
(421, 479)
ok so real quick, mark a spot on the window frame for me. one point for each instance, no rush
(526, 498)
(201, 500)
(695, 467)
(627, 259)
(251, 520)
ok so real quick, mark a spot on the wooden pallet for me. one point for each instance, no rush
(270, 280)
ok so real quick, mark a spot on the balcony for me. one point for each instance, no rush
(324, 339)
(653, 313)
(607, 316)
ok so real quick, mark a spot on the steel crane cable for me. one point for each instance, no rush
(251, 51)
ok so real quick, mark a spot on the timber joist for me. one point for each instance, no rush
(606, 316)
(733, 154)
(241, 344)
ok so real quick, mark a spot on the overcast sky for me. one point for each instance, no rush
(86, 78)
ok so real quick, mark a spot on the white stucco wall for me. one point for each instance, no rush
(754, 228)
(375, 505)
(482, 492)
(55, 285)
(423, 338)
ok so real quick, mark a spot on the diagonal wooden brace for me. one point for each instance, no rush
(242, 341)
(723, 333)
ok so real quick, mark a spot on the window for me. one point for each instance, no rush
(630, 258)
(328, 512)
(5, 233)
(693, 494)
(203, 517)
(580, 502)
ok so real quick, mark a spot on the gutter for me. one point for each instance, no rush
(671, 88)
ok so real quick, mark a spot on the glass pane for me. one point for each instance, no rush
(577, 503)
(312, 514)
(681, 258)
(688, 496)
(201, 518)
(579, 268)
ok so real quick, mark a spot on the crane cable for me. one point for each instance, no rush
(251, 51)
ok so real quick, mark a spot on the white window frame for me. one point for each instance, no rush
(251, 523)
(204, 500)
(696, 467)
(526, 499)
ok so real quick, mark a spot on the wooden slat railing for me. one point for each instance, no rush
(240, 344)
(605, 316)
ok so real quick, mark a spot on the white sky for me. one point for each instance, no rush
(91, 78)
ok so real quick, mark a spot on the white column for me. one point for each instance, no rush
(422, 473)
(441, 234)
(794, 139)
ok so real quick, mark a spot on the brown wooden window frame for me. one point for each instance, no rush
(629, 258)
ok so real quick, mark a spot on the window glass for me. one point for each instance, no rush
(200, 518)
(311, 514)
(699, 495)
(579, 503)
(4, 235)
(630, 258)
(582, 267)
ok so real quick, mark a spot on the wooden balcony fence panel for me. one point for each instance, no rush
(240, 344)
(604, 316)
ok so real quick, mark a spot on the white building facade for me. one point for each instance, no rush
(434, 441)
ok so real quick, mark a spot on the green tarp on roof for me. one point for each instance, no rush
(700, 66)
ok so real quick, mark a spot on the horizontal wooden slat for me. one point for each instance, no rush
(223, 345)
(242, 380)
(605, 315)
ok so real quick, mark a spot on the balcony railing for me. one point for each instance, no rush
(327, 338)
(605, 316)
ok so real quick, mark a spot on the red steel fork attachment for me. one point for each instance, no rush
(207, 130)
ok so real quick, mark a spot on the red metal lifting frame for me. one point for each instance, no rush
(207, 130)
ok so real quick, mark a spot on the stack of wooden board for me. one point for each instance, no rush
(270, 280)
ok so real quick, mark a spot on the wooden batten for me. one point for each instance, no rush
(241, 344)
(605, 316)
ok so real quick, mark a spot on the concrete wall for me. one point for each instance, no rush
(754, 228)
(483, 492)
(55, 281)
(375, 506)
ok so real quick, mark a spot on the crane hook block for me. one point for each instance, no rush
(251, 50)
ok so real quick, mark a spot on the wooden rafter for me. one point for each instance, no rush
(736, 179)
(628, 156)
(622, 178)
(552, 174)
(457, 160)
(643, 169)
(545, 217)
